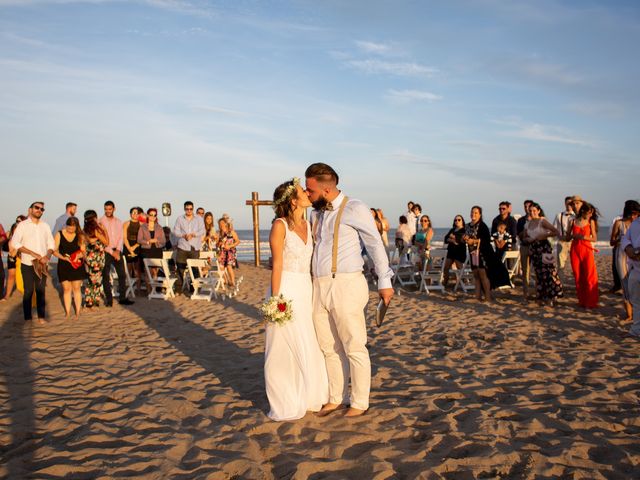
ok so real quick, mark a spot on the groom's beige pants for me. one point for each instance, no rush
(338, 316)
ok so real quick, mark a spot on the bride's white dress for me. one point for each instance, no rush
(294, 369)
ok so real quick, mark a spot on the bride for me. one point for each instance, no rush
(294, 368)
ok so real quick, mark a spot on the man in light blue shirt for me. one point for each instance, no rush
(340, 290)
(189, 230)
(61, 221)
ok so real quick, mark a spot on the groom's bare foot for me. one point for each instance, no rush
(354, 412)
(329, 408)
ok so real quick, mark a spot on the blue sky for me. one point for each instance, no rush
(449, 104)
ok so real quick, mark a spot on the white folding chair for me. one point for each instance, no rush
(204, 286)
(164, 278)
(432, 274)
(464, 277)
(405, 269)
(129, 282)
(511, 260)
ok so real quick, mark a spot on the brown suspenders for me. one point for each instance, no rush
(336, 228)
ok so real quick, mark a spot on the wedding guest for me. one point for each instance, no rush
(385, 227)
(200, 212)
(3, 241)
(210, 237)
(631, 246)
(417, 213)
(584, 231)
(188, 229)
(227, 242)
(61, 222)
(34, 243)
(131, 247)
(620, 227)
(456, 248)
(70, 249)
(562, 223)
(11, 260)
(113, 256)
(524, 248)
(422, 239)
(152, 241)
(96, 241)
(537, 233)
(403, 236)
(504, 215)
(412, 220)
(488, 271)
(502, 240)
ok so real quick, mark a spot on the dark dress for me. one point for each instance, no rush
(154, 251)
(548, 284)
(132, 238)
(65, 271)
(496, 271)
(456, 252)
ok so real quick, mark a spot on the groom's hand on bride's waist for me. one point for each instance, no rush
(386, 294)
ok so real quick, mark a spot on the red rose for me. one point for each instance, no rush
(282, 307)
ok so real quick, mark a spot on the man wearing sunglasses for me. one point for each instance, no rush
(34, 242)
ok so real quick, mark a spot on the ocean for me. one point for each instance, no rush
(245, 249)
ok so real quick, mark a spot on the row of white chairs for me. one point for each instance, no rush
(405, 266)
(205, 274)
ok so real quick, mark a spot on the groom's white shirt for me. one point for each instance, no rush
(356, 224)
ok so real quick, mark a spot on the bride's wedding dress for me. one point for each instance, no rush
(294, 369)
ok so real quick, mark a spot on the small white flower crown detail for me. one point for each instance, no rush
(290, 190)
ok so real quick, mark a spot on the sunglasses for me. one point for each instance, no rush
(188, 209)
(152, 215)
(36, 207)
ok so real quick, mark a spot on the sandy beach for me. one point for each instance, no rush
(460, 390)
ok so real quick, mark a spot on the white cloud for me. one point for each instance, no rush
(375, 48)
(409, 96)
(223, 111)
(400, 69)
(544, 133)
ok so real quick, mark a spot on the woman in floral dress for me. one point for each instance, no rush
(97, 239)
(536, 233)
(227, 243)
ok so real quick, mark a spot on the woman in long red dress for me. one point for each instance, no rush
(584, 231)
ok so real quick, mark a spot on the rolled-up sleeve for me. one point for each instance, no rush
(363, 222)
(16, 240)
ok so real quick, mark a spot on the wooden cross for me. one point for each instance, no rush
(255, 203)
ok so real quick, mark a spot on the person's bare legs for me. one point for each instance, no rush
(76, 286)
(231, 276)
(66, 297)
(486, 284)
(11, 283)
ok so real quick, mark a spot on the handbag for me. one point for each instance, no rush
(548, 259)
(74, 259)
(475, 256)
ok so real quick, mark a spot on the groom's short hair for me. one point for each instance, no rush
(322, 173)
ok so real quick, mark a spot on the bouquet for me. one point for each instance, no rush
(276, 310)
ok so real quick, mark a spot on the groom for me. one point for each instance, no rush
(340, 291)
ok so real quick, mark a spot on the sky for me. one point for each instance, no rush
(447, 103)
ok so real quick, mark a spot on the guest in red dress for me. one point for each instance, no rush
(584, 230)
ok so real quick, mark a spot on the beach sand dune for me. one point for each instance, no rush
(460, 390)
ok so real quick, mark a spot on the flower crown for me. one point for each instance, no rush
(290, 190)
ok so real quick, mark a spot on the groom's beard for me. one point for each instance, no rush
(319, 204)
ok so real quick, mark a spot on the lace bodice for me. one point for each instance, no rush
(296, 254)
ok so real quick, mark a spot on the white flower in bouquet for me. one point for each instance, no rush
(276, 310)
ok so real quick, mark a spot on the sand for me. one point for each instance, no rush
(460, 390)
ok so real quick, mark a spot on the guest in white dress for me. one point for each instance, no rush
(294, 368)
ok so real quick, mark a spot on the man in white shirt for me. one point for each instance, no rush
(630, 243)
(340, 290)
(34, 242)
(563, 223)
